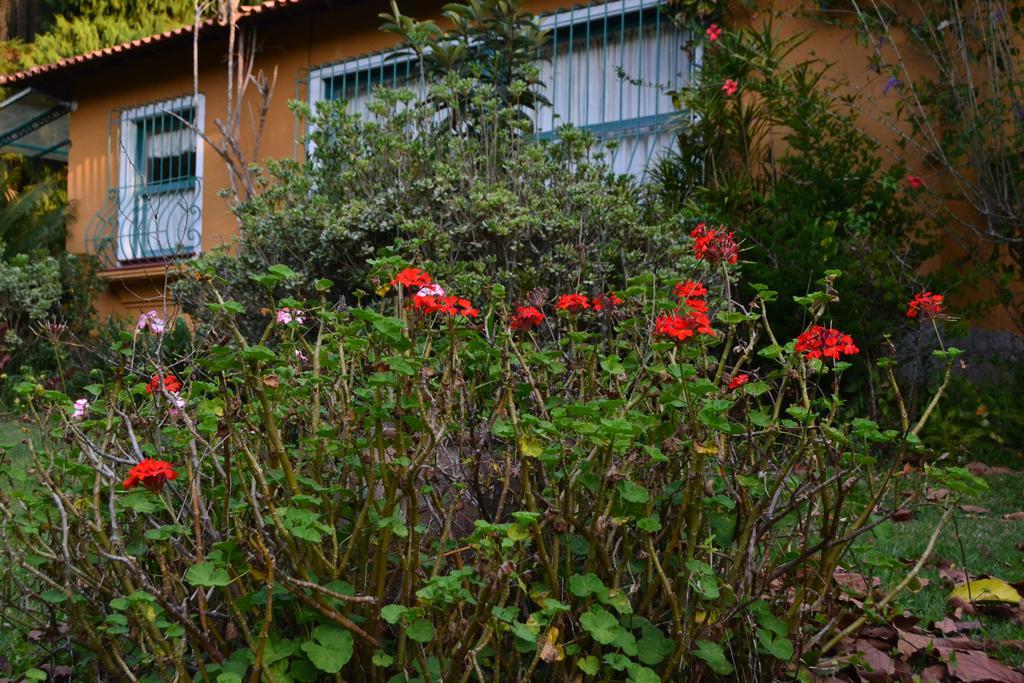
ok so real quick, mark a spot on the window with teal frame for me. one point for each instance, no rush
(607, 67)
(159, 191)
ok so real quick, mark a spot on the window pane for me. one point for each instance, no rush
(168, 148)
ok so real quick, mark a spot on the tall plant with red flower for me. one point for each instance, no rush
(151, 473)
(169, 382)
(526, 318)
(925, 304)
(825, 342)
(714, 245)
(572, 303)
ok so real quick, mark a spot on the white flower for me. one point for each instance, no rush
(81, 406)
(152, 321)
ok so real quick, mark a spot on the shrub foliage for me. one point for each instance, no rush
(391, 494)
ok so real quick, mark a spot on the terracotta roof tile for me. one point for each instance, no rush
(244, 13)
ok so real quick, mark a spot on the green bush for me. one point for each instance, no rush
(633, 488)
(783, 159)
(475, 207)
(45, 294)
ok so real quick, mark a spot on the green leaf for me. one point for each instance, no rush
(641, 674)
(756, 388)
(330, 649)
(525, 632)
(619, 601)
(648, 524)
(258, 353)
(633, 493)
(54, 597)
(392, 613)
(713, 655)
(613, 366)
(731, 317)
(282, 271)
(34, 674)
(421, 630)
(589, 665)
(140, 501)
(229, 678)
(585, 585)
(777, 646)
(600, 624)
(653, 646)
(207, 574)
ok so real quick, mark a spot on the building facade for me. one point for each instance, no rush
(146, 184)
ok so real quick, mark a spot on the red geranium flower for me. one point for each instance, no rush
(152, 474)
(690, 290)
(170, 382)
(573, 303)
(526, 318)
(713, 33)
(825, 341)
(609, 301)
(926, 304)
(730, 87)
(447, 305)
(683, 327)
(412, 277)
(714, 246)
(915, 182)
(738, 381)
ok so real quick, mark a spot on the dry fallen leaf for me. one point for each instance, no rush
(936, 495)
(973, 509)
(949, 573)
(551, 651)
(854, 584)
(980, 469)
(902, 515)
(877, 667)
(974, 666)
(1014, 517)
(936, 673)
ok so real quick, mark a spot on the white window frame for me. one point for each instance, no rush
(128, 177)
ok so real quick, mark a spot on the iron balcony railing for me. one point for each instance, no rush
(147, 222)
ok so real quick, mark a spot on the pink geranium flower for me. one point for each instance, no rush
(153, 322)
(287, 315)
(730, 87)
(81, 406)
(432, 289)
(713, 33)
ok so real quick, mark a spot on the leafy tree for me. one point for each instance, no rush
(72, 27)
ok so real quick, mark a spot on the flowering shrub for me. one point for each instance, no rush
(784, 157)
(385, 495)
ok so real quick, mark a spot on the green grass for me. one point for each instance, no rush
(984, 544)
(13, 432)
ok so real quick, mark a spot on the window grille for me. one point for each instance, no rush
(154, 205)
(606, 67)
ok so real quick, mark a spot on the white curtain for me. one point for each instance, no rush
(611, 73)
